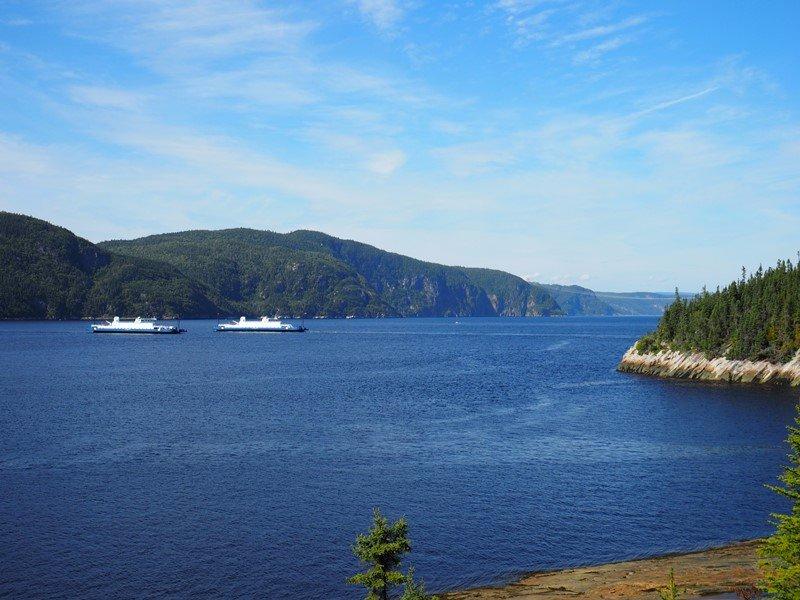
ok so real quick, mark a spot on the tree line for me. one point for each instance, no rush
(756, 317)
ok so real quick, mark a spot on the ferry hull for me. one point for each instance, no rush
(139, 331)
(252, 330)
(137, 325)
(262, 325)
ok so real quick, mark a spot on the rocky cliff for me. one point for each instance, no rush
(694, 365)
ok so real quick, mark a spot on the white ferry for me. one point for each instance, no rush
(137, 325)
(262, 324)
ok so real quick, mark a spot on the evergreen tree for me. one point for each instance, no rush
(382, 549)
(782, 549)
(754, 318)
(415, 590)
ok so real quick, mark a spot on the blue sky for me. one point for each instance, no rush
(619, 145)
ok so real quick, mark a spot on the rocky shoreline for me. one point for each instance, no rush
(694, 365)
(699, 574)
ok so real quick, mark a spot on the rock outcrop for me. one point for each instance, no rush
(700, 574)
(694, 365)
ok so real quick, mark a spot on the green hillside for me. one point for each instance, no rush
(755, 318)
(250, 272)
(311, 273)
(50, 273)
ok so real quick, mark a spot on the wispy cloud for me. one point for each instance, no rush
(586, 33)
(383, 14)
(373, 154)
(473, 158)
(106, 97)
(538, 117)
(268, 59)
(595, 52)
(166, 32)
(386, 163)
(599, 31)
(516, 7)
(16, 22)
(676, 101)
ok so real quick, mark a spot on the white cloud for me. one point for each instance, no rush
(515, 7)
(106, 97)
(576, 28)
(386, 163)
(19, 158)
(242, 114)
(239, 50)
(167, 32)
(374, 154)
(384, 14)
(478, 157)
(449, 127)
(599, 31)
(598, 50)
(676, 101)
(16, 22)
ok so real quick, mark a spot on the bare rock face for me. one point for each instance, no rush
(700, 574)
(694, 365)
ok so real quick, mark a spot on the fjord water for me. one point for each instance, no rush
(243, 465)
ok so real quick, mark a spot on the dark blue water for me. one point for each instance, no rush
(243, 465)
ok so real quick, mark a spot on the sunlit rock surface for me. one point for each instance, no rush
(694, 365)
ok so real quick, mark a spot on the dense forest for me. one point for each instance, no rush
(756, 317)
(308, 272)
(50, 273)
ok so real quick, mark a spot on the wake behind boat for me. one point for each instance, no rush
(137, 325)
(262, 324)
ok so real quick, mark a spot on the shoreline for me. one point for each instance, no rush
(703, 573)
(675, 364)
(398, 317)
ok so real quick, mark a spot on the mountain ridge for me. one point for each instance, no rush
(404, 286)
(208, 273)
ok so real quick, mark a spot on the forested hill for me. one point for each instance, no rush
(756, 317)
(49, 273)
(265, 272)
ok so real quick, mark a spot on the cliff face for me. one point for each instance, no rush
(692, 365)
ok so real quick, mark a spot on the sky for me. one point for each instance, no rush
(618, 145)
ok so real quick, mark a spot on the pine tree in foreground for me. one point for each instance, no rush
(782, 549)
(382, 549)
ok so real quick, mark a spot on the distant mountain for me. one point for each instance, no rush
(639, 303)
(50, 273)
(313, 274)
(577, 300)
